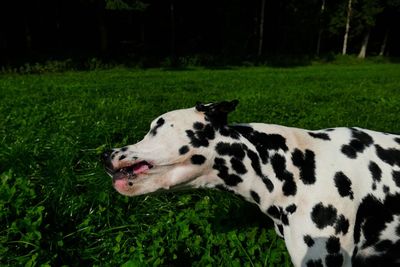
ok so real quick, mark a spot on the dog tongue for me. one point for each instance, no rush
(140, 167)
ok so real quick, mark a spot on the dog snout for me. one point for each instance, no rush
(106, 159)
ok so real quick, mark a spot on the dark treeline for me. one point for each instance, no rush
(200, 32)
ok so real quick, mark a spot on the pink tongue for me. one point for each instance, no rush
(140, 168)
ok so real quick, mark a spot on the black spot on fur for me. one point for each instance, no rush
(306, 164)
(123, 149)
(244, 130)
(263, 152)
(262, 141)
(219, 165)
(392, 203)
(198, 159)
(373, 186)
(390, 156)
(277, 213)
(363, 137)
(334, 260)
(284, 219)
(224, 131)
(291, 208)
(238, 166)
(236, 150)
(314, 263)
(255, 162)
(160, 122)
(190, 133)
(122, 157)
(268, 183)
(255, 196)
(342, 225)
(323, 136)
(183, 150)
(323, 216)
(229, 179)
(397, 139)
(289, 187)
(202, 134)
(274, 212)
(233, 180)
(383, 245)
(355, 260)
(280, 229)
(349, 151)
(385, 189)
(309, 241)
(372, 216)
(219, 162)
(271, 141)
(198, 125)
(333, 245)
(208, 132)
(375, 171)
(396, 177)
(343, 184)
(195, 140)
(358, 143)
(229, 132)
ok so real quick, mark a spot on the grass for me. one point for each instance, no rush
(57, 206)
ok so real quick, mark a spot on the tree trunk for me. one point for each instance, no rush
(102, 27)
(320, 28)
(383, 46)
(173, 45)
(364, 45)
(346, 34)
(28, 38)
(261, 34)
(103, 39)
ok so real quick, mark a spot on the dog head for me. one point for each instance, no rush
(176, 153)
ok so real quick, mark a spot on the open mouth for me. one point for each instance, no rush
(132, 171)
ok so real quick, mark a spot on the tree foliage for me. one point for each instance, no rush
(126, 5)
(208, 32)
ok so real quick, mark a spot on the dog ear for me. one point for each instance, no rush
(217, 113)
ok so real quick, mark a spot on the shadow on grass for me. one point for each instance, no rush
(240, 214)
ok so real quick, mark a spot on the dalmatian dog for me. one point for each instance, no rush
(333, 194)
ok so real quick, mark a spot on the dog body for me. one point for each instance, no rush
(333, 194)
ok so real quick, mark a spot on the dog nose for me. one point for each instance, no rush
(106, 159)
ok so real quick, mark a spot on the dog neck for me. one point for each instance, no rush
(240, 167)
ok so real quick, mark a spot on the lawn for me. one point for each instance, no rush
(57, 206)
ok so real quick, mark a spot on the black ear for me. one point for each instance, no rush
(217, 113)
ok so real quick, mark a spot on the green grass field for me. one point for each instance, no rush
(57, 206)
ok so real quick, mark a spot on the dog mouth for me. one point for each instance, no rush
(132, 171)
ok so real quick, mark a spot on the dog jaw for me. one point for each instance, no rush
(163, 178)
